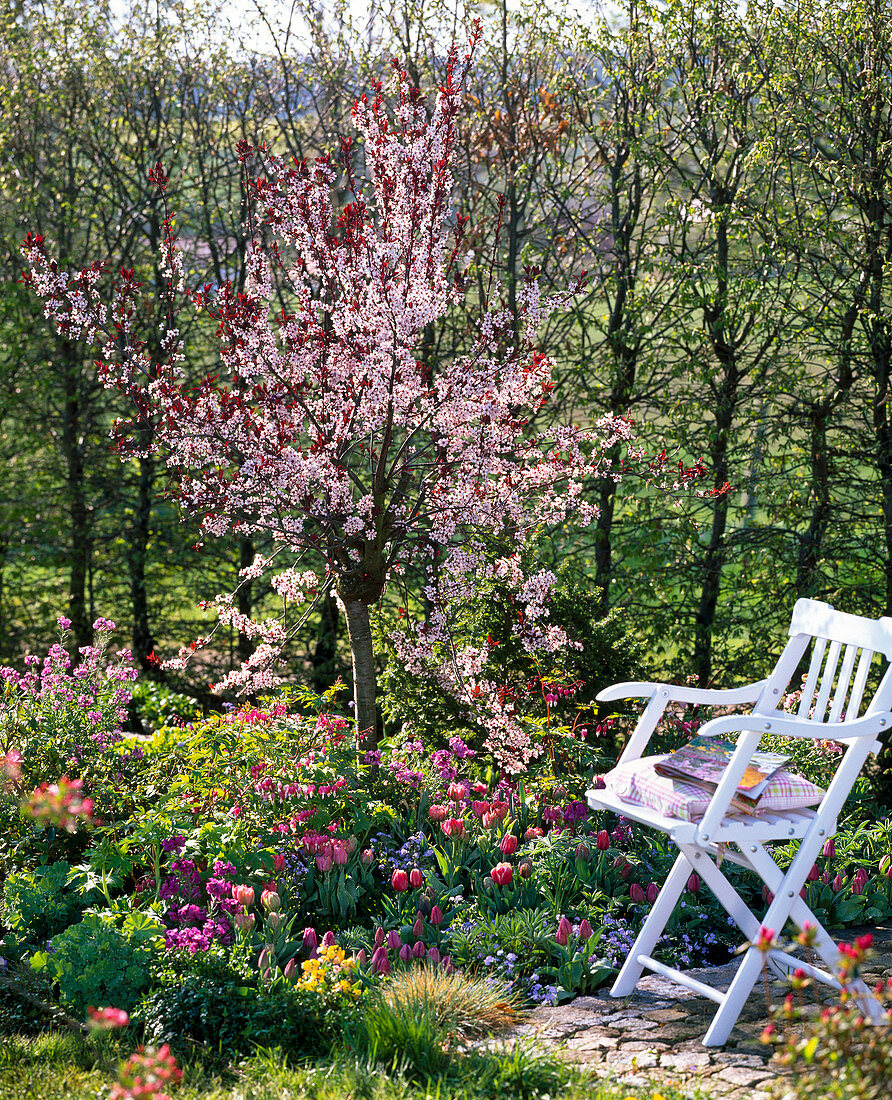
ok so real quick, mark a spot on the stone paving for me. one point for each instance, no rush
(655, 1036)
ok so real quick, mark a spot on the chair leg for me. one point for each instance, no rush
(738, 991)
(656, 921)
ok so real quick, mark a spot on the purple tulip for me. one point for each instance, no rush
(393, 940)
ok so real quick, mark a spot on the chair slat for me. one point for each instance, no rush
(826, 682)
(808, 688)
(860, 682)
(842, 684)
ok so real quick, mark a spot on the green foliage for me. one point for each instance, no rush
(95, 963)
(38, 904)
(214, 1000)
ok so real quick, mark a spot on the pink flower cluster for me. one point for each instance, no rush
(60, 804)
(146, 1074)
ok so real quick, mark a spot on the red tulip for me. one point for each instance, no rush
(508, 845)
(502, 874)
(602, 840)
(399, 880)
(416, 878)
(694, 883)
(636, 893)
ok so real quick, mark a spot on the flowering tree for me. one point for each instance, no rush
(322, 429)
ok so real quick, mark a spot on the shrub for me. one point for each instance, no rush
(211, 999)
(95, 963)
(39, 904)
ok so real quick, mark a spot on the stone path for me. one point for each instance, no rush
(655, 1036)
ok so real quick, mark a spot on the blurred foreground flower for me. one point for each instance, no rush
(60, 804)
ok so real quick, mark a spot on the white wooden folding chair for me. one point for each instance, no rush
(832, 707)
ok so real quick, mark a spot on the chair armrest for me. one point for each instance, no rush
(783, 725)
(680, 693)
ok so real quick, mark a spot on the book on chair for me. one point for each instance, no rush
(703, 760)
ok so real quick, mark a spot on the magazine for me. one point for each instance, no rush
(703, 760)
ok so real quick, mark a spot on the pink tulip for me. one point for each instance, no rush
(244, 895)
(694, 883)
(243, 921)
(380, 963)
(399, 880)
(814, 874)
(533, 833)
(270, 900)
(502, 874)
(859, 881)
(328, 939)
(829, 849)
(602, 840)
(367, 858)
(379, 936)
(290, 969)
(479, 808)
(767, 895)
(310, 939)
(454, 827)
(360, 957)
(508, 844)
(562, 934)
(437, 813)
(339, 855)
(489, 819)
(436, 917)
(323, 862)
(585, 929)
(416, 878)
(636, 893)
(455, 792)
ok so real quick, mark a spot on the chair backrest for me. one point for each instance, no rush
(843, 649)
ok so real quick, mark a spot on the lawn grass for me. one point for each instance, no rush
(62, 1066)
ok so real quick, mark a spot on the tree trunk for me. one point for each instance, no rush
(137, 554)
(360, 633)
(80, 541)
(323, 657)
(243, 599)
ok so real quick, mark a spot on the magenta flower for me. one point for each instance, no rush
(399, 880)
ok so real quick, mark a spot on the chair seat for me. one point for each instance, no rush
(736, 828)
